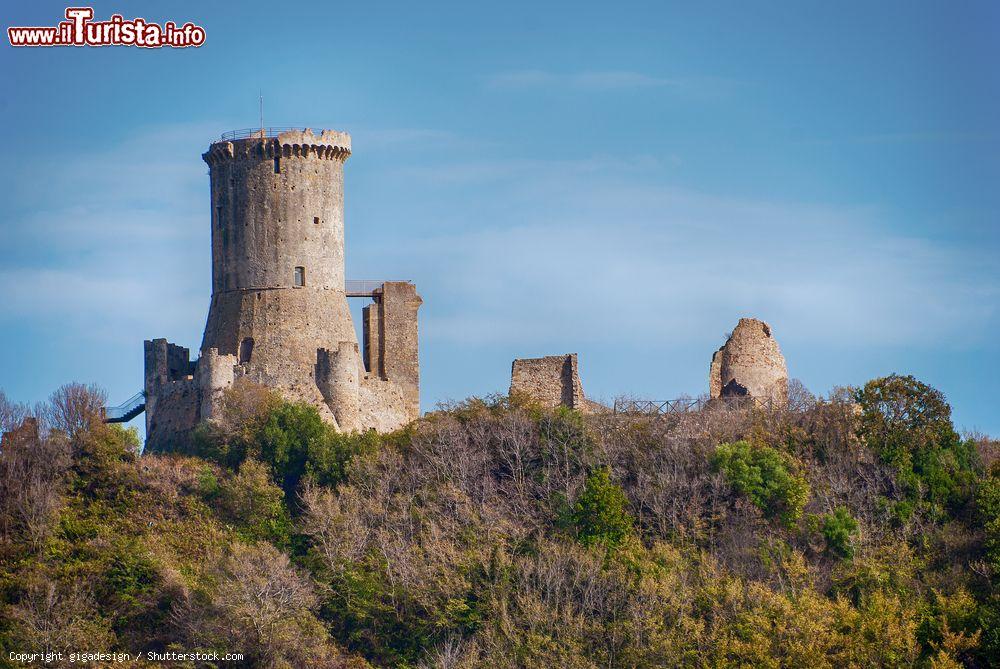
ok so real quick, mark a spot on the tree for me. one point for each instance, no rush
(799, 397)
(766, 476)
(261, 606)
(32, 478)
(75, 407)
(908, 424)
(290, 438)
(838, 528)
(12, 414)
(54, 617)
(256, 504)
(601, 513)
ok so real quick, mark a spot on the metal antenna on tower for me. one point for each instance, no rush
(261, 94)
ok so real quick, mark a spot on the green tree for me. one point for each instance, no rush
(908, 424)
(765, 475)
(255, 504)
(838, 528)
(290, 438)
(988, 509)
(601, 514)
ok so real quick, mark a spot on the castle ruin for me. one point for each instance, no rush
(279, 314)
(750, 364)
(551, 381)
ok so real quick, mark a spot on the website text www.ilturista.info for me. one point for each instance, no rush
(79, 29)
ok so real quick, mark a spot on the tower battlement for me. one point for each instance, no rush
(269, 142)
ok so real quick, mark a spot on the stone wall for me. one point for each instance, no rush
(750, 363)
(715, 374)
(551, 381)
(398, 303)
(173, 399)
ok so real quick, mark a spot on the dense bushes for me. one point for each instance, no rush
(290, 438)
(766, 476)
(498, 534)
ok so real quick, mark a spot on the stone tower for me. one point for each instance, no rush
(750, 363)
(279, 314)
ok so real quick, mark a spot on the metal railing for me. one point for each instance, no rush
(362, 287)
(366, 287)
(258, 133)
(689, 405)
(127, 410)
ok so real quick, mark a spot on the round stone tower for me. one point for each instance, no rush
(750, 363)
(279, 314)
(278, 292)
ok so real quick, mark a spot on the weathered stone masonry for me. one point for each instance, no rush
(551, 381)
(750, 363)
(279, 313)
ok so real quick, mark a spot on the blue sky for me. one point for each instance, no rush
(624, 180)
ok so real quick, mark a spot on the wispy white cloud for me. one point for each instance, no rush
(384, 138)
(598, 251)
(611, 80)
(925, 137)
(111, 244)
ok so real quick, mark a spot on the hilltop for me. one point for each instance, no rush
(857, 529)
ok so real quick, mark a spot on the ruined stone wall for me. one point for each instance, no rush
(551, 381)
(715, 374)
(173, 414)
(173, 398)
(750, 363)
(382, 405)
(400, 363)
(371, 335)
(338, 376)
(215, 374)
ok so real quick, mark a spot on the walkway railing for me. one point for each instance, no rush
(366, 287)
(259, 133)
(688, 405)
(362, 287)
(126, 411)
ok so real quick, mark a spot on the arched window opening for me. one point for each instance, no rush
(246, 350)
(300, 277)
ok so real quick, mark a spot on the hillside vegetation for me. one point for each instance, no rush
(859, 530)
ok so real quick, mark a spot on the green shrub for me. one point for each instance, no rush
(988, 510)
(291, 439)
(766, 476)
(601, 513)
(255, 505)
(838, 528)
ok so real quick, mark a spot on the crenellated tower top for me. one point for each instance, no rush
(286, 142)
